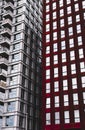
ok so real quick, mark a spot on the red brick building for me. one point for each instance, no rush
(63, 88)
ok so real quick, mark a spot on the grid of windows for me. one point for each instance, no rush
(65, 59)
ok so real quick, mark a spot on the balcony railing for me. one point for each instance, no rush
(7, 21)
(1, 108)
(2, 96)
(3, 72)
(3, 60)
(3, 49)
(5, 41)
(12, 1)
(8, 4)
(6, 30)
(3, 84)
(6, 13)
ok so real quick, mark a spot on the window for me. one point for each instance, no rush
(55, 25)
(83, 4)
(66, 117)
(74, 83)
(11, 106)
(71, 42)
(14, 68)
(65, 84)
(72, 55)
(47, 61)
(47, 8)
(18, 27)
(84, 15)
(77, 18)
(63, 45)
(47, 87)
(54, 35)
(68, 1)
(16, 46)
(82, 66)
(21, 121)
(75, 99)
(55, 72)
(62, 34)
(12, 93)
(61, 3)
(56, 86)
(17, 36)
(83, 81)
(55, 47)
(78, 27)
(57, 118)
(47, 102)
(70, 30)
(48, 38)
(61, 12)
(79, 40)
(19, 2)
(47, 27)
(84, 97)
(19, 18)
(47, 1)
(16, 57)
(62, 22)
(54, 15)
(10, 121)
(56, 101)
(69, 20)
(47, 74)
(19, 10)
(63, 57)
(13, 80)
(47, 17)
(76, 7)
(76, 116)
(54, 5)
(55, 58)
(66, 100)
(81, 54)
(48, 119)
(47, 49)
(73, 69)
(64, 70)
(69, 10)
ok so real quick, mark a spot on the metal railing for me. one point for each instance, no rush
(7, 21)
(3, 60)
(2, 83)
(4, 49)
(3, 72)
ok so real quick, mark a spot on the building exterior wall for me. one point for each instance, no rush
(20, 23)
(63, 76)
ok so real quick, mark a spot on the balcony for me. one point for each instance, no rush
(2, 96)
(6, 32)
(7, 23)
(2, 84)
(3, 72)
(8, 14)
(7, 1)
(5, 42)
(8, 6)
(1, 108)
(4, 51)
(3, 61)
